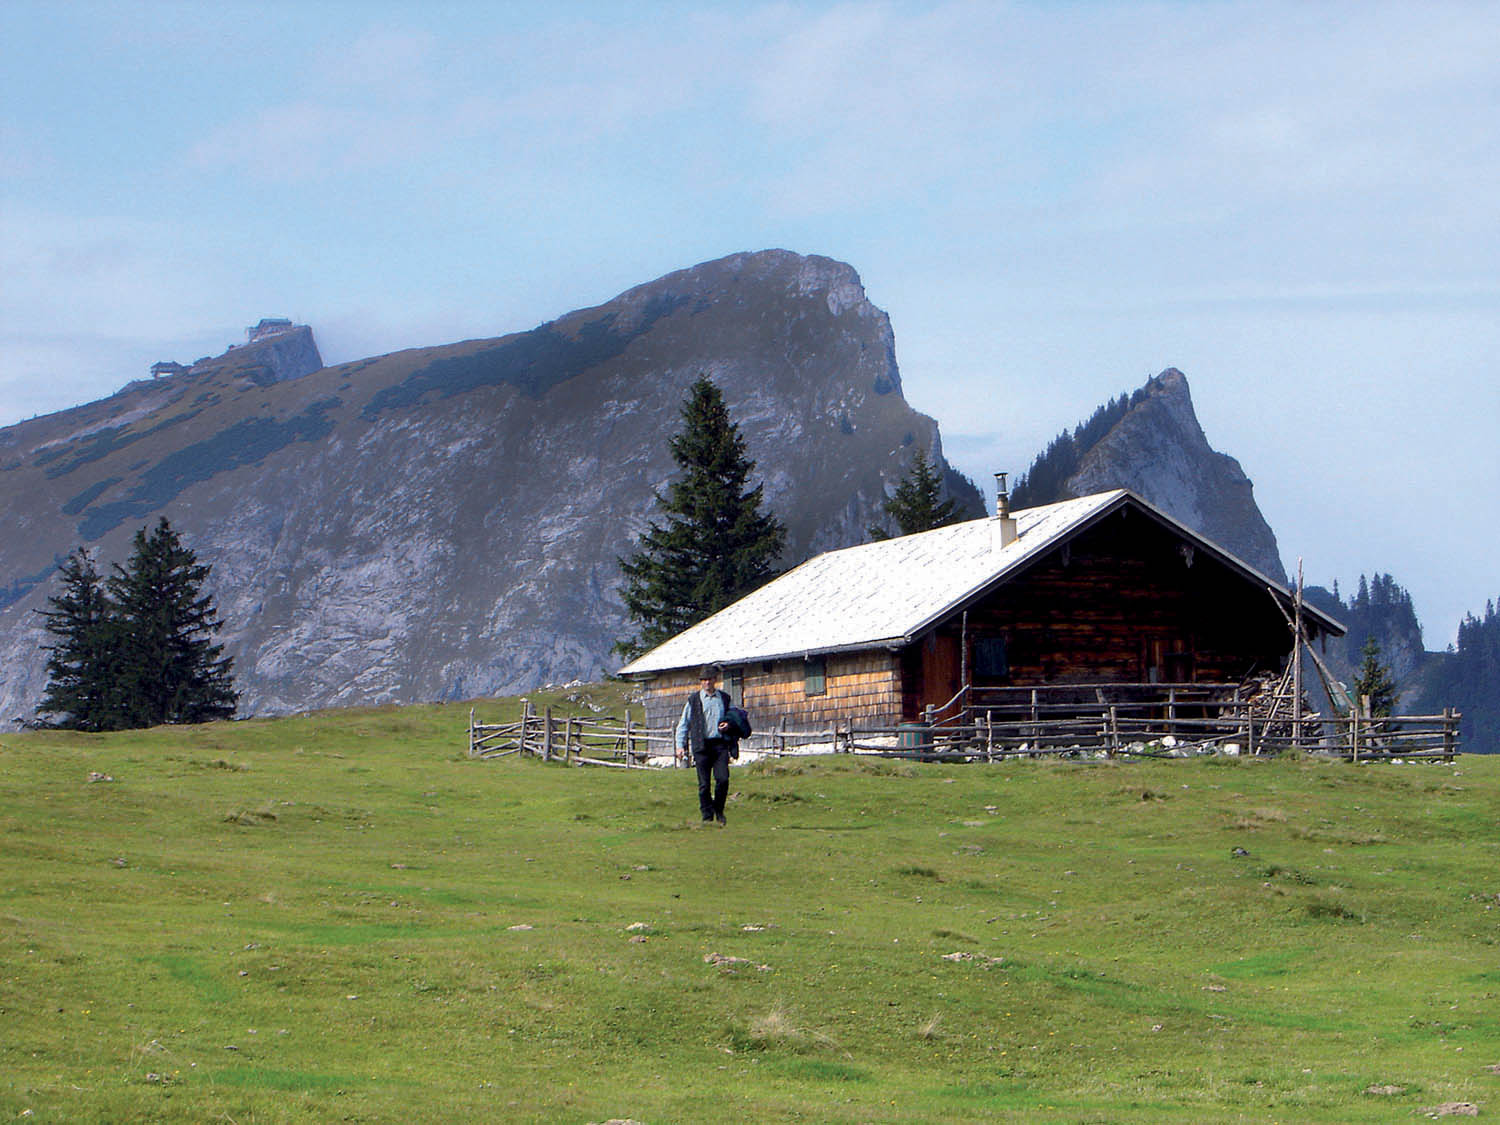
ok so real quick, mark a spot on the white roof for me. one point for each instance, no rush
(884, 594)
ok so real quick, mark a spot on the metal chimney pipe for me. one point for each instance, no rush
(1004, 532)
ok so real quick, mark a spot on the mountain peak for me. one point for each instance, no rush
(1158, 449)
(446, 522)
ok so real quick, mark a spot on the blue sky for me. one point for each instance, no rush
(1293, 203)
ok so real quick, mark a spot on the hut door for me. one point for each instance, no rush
(940, 670)
(1166, 660)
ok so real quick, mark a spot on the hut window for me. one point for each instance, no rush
(736, 687)
(815, 675)
(990, 661)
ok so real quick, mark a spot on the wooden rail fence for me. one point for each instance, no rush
(1118, 721)
(602, 740)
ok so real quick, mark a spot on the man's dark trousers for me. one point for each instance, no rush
(713, 762)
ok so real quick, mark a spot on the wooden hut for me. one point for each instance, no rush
(1103, 589)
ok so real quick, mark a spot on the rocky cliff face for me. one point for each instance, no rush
(445, 522)
(1158, 450)
(275, 358)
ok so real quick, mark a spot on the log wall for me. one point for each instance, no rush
(1125, 603)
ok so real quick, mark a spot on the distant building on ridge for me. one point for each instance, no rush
(268, 326)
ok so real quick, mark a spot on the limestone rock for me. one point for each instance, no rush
(445, 522)
(1158, 450)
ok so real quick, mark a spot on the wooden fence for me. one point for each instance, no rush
(602, 740)
(1113, 721)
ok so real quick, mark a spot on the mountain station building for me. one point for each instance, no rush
(1100, 590)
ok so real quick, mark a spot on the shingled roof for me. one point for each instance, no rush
(886, 594)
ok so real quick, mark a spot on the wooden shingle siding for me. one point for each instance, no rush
(864, 687)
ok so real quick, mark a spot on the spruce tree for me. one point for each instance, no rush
(80, 677)
(169, 670)
(1374, 680)
(713, 545)
(917, 504)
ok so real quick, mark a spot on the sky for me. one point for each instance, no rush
(1293, 203)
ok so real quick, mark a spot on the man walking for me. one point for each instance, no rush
(705, 731)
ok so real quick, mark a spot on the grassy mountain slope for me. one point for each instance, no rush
(339, 916)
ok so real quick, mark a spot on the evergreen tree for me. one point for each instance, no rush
(917, 503)
(714, 545)
(169, 670)
(1374, 680)
(79, 665)
(1467, 677)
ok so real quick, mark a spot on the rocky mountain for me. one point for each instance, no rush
(1151, 442)
(444, 522)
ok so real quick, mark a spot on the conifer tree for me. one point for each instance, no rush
(1374, 680)
(917, 504)
(714, 544)
(79, 673)
(169, 668)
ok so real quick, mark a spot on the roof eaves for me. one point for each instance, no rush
(892, 643)
(987, 586)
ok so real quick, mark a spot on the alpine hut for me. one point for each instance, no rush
(1100, 590)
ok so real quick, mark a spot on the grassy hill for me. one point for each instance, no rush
(341, 917)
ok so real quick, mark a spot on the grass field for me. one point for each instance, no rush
(339, 917)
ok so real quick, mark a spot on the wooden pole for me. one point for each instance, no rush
(963, 653)
(629, 739)
(471, 732)
(1450, 726)
(547, 736)
(1297, 662)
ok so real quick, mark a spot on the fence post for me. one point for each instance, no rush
(629, 740)
(1450, 725)
(547, 736)
(471, 732)
(1114, 731)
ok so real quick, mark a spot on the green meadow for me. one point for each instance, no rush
(340, 917)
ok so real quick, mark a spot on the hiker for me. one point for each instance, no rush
(707, 731)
